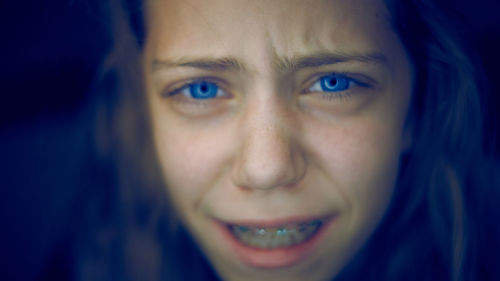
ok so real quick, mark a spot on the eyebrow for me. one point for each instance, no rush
(204, 63)
(321, 59)
(283, 64)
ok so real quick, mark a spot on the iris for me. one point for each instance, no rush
(334, 83)
(203, 90)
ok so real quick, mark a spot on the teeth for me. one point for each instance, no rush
(275, 237)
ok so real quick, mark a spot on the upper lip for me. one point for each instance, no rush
(270, 223)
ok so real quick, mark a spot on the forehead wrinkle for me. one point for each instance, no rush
(294, 63)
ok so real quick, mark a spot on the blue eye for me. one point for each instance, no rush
(203, 90)
(334, 83)
(331, 83)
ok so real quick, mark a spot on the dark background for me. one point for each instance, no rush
(50, 52)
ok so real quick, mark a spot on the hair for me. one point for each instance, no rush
(440, 222)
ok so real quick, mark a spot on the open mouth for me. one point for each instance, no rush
(276, 237)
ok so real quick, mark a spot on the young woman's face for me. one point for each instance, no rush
(279, 126)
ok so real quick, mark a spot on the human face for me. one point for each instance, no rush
(279, 127)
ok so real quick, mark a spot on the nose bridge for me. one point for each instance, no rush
(269, 156)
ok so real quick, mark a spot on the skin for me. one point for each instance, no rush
(268, 147)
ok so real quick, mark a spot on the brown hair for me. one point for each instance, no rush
(118, 236)
(436, 228)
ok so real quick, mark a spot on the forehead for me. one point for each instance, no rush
(285, 28)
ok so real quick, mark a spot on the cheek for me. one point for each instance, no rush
(361, 159)
(192, 160)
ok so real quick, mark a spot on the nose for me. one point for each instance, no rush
(269, 154)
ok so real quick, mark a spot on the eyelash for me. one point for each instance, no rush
(199, 83)
(207, 84)
(339, 90)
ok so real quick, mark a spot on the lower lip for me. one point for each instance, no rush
(274, 258)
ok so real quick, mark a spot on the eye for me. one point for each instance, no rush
(331, 83)
(201, 90)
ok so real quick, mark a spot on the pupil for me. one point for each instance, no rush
(204, 87)
(332, 81)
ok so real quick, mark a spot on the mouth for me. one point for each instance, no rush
(275, 244)
(275, 237)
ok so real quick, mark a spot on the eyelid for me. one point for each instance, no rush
(188, 82)
(313, 79)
